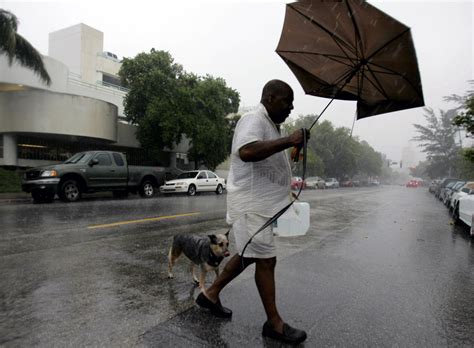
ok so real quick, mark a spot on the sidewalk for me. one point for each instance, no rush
(23, 197)
(17, 197)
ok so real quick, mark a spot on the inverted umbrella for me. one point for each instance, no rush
(350, 50)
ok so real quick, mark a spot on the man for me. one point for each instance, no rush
(258, 187)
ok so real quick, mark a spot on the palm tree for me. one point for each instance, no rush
(16, 47)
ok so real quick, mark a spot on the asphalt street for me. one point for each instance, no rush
(379, 267)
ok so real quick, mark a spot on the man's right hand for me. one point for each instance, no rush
(297, 139)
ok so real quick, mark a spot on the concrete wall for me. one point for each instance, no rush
(108, 66)
(18, 75)
(92, 44)
(39, 111)
(77, 47)
(65, 46)
(126, 135)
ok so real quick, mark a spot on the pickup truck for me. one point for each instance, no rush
(88, 172)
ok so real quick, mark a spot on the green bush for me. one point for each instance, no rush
(10, 181)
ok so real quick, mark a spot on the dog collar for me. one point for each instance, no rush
(214, 260)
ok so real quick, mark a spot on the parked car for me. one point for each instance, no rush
(442, 185)
(465, 211)
(450, 190)
(356, 183)
(444, 190)
(346, 183)
(331, 183)
(464, 191)
(412, 183)
(434, 185)
(315, 182)
(193, 182)
(374, 182)
(297, 182)
(88, 172)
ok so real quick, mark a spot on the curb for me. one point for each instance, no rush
(14, 200)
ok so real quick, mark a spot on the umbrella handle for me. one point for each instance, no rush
(295, 154)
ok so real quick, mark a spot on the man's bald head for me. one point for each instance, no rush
(275, 88)
(277, 97)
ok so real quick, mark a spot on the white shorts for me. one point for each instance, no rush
(262, 245)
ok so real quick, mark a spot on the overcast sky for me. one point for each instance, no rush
(236, 40)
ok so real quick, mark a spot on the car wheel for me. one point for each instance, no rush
(219, 189)
(456, 215)
(192, 190)
(70, 191)
(147, 189)
(42, 196)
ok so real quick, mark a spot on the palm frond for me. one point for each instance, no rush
(8, 28)
(29, 57)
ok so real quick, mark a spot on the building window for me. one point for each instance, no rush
(111, 80)
(36, 148)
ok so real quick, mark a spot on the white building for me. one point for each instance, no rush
(408, 158)
(81, 110)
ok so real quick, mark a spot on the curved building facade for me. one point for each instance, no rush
(81, 110)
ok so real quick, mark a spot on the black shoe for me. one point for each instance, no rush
(290, 335)
(216, 309)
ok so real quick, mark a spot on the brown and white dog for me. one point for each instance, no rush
(204, 251)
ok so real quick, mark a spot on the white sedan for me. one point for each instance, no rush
(465, 211)
(193, 182)
(464, 191)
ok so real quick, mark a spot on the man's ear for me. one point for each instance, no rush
(213, 238)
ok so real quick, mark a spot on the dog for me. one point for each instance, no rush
(204, 251)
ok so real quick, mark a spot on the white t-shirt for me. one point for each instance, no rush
(261, 187)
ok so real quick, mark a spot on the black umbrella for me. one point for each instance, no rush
(351, 50)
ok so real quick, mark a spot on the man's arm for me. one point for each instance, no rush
(260, 150)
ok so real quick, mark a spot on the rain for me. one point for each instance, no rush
(388, 256)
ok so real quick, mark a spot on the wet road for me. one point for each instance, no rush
(379, 267)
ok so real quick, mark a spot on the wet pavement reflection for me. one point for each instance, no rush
(379, 267)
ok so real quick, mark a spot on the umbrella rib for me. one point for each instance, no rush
(402, 76)
(356, 30)
(381, 89)
(330, 56)
(343, 77)
(387, 43)
(336, 38)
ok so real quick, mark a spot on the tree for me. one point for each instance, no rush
(166, 102)
(369, 161)
(420, 170)
(332, 152)
(18, 48)
(437, 140)
(211, 133)
(465, 117)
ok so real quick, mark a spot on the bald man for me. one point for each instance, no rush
(258, 187)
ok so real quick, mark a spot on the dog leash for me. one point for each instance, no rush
(295, 198)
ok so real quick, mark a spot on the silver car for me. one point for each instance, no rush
(315, 182)
(332, 183)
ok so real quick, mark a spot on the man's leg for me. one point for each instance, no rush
(231, 270)
(265, 280)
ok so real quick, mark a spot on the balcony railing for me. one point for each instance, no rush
(99, 85)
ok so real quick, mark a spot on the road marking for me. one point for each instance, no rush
(120, 223)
